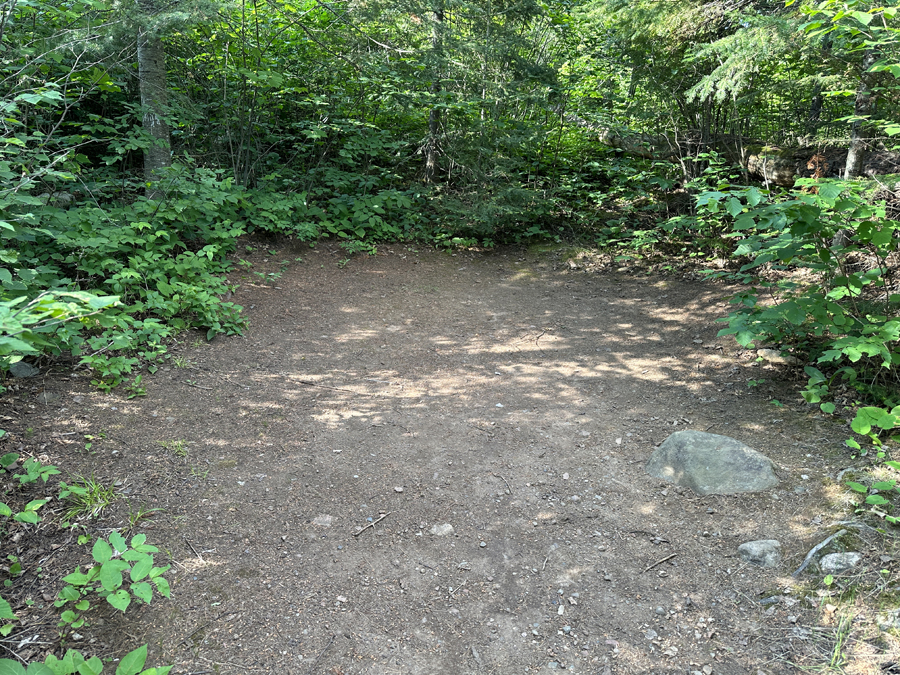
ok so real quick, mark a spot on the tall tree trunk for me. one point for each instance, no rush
(434, 117)
(152, 75)
(865, 106)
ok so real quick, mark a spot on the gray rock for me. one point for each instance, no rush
(22, 369)
(711, 464)
(442, 530)
(763, 552)
(775, 356)
(838, 563)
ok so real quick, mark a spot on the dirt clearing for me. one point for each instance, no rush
(434, 463)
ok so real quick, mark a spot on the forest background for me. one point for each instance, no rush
(141, 140)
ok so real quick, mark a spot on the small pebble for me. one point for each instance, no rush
(482, 544)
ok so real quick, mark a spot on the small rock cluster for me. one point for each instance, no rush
(714, 464)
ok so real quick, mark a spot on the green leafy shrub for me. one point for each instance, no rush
(841, 312)
(6, 618)
(152, 269)
(74, 663)
(880, 497)
(106, 578)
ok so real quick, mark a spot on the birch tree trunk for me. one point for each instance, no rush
(864, 107)
(152, 76)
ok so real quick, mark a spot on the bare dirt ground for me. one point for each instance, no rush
(485, 418)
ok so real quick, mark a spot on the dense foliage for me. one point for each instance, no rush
(140, 141)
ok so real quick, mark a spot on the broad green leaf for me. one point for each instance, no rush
(142, 567)
(857, 487)
(102, 551)
(10, 667)
(120, 599)
(877, 500)
(77, 578)
(93, 666)
(884, 485)
(133, 662)
(162, 586)
(6, 612)
(143, 590)
(111, 574)
(118, 542)
(792, 312)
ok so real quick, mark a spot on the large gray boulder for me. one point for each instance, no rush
(711, 464)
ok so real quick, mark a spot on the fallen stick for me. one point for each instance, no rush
(659, 562)
(497, 475)
(372, 524)
(321, 654)
(325, 386)
(816, 549)
(193, 549)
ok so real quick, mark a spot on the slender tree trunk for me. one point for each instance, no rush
(865, 106)
(152, 76)
(434, 117)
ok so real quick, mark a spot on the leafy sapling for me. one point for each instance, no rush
(74, 663)
(6, 618)
(876, 500)
(34, 470)
(106, 578)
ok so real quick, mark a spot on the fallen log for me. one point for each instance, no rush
(768, 163)
(783, 166)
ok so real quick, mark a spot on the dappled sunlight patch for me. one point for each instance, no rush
(571, 575)
(357, 336)
(198, 563)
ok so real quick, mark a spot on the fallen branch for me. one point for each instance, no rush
(816, 549)
(372, 524)
(659, 562)
(193, 549)
(321, 654)
(325, 386)
(497, 475)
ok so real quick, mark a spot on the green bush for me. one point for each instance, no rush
(840, 312)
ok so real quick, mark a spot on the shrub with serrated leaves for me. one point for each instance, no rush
(106, 579)
(841, 311)
(152, 268)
